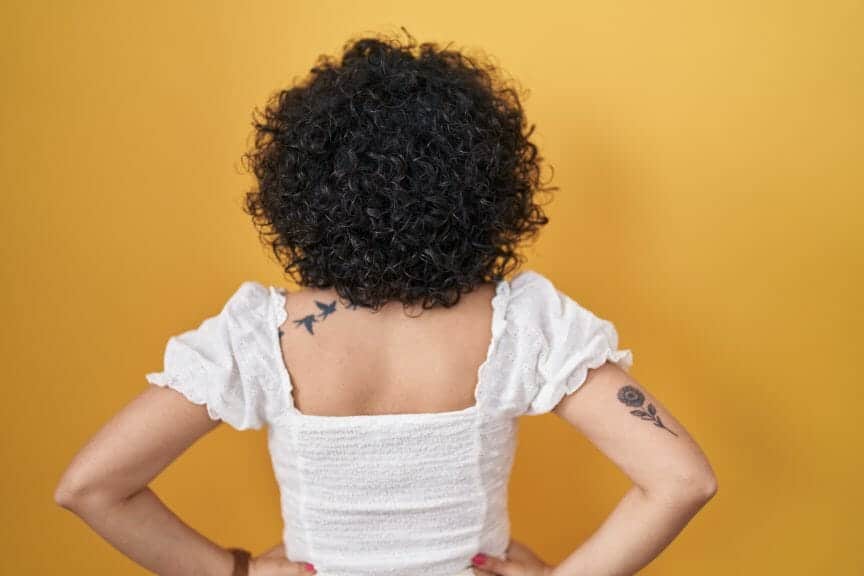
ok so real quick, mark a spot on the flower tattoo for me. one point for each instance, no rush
(632, 397)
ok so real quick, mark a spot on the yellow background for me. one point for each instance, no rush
(709, 158)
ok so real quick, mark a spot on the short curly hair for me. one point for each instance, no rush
(400, 173)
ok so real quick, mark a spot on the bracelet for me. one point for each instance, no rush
(241, 561)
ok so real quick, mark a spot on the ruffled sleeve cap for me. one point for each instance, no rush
(227, 362)
(552, 343)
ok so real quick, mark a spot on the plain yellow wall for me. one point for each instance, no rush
(709, 159)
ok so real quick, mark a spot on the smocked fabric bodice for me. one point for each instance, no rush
(397, 494)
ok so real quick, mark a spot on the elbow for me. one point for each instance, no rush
(66, 496)
(691, 488)
(74, 493)
(703, 486)
(69, 495)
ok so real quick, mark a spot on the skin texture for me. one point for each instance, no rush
(671, 476)
(360, 361)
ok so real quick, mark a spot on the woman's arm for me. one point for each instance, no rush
(671, 476)
(106, 485)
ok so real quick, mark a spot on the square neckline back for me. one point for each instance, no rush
(278, 316)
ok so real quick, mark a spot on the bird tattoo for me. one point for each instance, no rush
(307, 321)
(326, 309)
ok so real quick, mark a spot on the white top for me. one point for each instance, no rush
(397, 494)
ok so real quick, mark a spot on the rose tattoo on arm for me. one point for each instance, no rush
(632, 397)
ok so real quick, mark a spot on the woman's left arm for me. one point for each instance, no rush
(106, 485)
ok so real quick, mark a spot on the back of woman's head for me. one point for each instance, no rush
(400, 173)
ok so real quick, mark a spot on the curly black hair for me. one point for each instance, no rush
(400, 173)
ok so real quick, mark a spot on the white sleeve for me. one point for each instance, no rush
(202, 364)
(570, 340)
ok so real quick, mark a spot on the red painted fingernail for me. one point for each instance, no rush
(310, 567)
(479, 559)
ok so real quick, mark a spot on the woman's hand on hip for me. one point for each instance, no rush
(273, 562)
(520, 561)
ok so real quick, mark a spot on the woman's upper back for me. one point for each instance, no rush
(346, 360)
(383, 462)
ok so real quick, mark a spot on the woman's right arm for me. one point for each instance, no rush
(671, 476)
(107, 486)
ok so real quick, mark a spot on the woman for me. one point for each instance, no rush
(394, 186)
